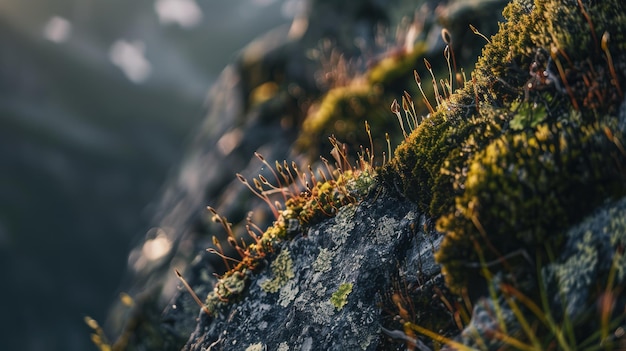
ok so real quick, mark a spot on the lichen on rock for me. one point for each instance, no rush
(330, 305)
(592, 252)
(324, 199)
(282, 271)
(587, 272)
(324, 261)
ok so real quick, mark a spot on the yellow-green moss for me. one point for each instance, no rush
(325, 198)
(340, 297)
(343, 110)
(530, 145)
(523, 190)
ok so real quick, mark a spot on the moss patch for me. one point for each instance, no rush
(343, 110)
(531, 144)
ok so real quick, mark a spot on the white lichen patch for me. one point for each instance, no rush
(411, 216)
(256, 347)
(323, 312)
(351, 265)
(288, 293)
(320, 290)
(323, 262)
(367, 341)
(385, 230)
(340, 232)
(617, 232)
(283, 347)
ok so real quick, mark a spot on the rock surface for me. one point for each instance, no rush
(333, 299)
(593, 251)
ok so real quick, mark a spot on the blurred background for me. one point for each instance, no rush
(98, 100)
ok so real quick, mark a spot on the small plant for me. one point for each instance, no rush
(426, 304)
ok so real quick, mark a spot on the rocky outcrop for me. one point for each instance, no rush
(331, 296)
(261, 103)
(505, 168)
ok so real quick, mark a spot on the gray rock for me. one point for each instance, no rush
(340, 268)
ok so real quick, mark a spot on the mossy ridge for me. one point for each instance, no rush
(535, 59)
(527, 187)
(366, 96)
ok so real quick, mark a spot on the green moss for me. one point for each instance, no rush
(528, 115)
(361, 185)
(522, 152)
(524, 189)
(342, 112)
(277, 232)
(340, 297)
(326, 198)
(282, 270)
